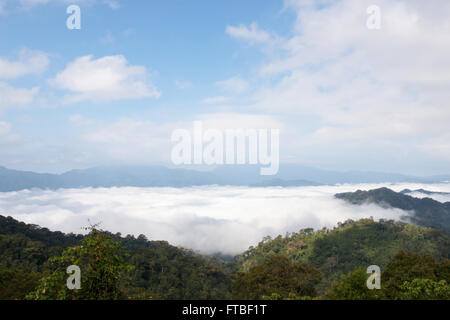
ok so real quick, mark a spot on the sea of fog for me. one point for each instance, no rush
(208, 219)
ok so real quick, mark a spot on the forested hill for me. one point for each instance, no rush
(426, 212)
(350, 246)
(161, 271)
(157, 270)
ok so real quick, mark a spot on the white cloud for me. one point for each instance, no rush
(444, 196)
(11, 97)
(215, 100)
(80, 120)
(108, 39)
(135, 141)
(233, 85)
(234, 120)
(106, 78)
(437, 146)
(252, 35)
(7, 137)
(29, 62)
(361, 87)
(207, 219)
(113, 4)
(182, 84)
(131, 140)
(126, 140)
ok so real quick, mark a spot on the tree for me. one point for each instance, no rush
(425, 289)
(103, 271)
(405, 267)
(277, 277)
(16, 282)
(353, 286)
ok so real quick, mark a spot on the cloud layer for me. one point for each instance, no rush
(384, 88)
(207, 219)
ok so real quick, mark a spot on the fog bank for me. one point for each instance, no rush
(207, 219)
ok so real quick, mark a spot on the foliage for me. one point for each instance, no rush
(350, 246)
(353, 286)
(161, 271)
(406, 267)
(170, 273)
(414, 261)
(425, 289)
(30, 246)
(292, 296)
(407, 276)
(10, 226)
(278, 277)
(103, 271)
(16, 283)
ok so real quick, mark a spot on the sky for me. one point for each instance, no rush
(344, 97)
(209, 220)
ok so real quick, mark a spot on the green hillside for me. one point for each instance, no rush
(161, 271)
(305, 265)
(350, 246)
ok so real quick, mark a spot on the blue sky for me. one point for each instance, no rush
(180, 44)
(344, 97)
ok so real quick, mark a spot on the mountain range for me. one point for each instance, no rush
(160, 176)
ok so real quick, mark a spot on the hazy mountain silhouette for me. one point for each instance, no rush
(160, 176)
(426, 212)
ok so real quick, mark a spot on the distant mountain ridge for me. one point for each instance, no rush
(285, 183)
(427, 212)
(160, 176)
(427, 192)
